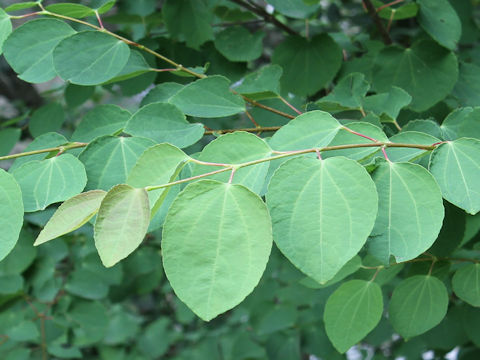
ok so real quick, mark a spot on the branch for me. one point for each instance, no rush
(61, 149)
(378, 22)
(266, 16)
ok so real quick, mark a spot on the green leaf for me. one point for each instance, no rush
(405, 11)
(48, 118)
(24, 331)
(439, 19)
(343, 137)
(11, 284)
(429, 127)
(76, 95)
(101, 120)
(410, 211)
(188, 20)
(21, 6)
(340, 200)
(76, 11)
(209, 97)
(29, 48)
(237, 148)
(301, 60)
(261, 84)
(294, 8)
(156, 339)
(409, 137)
(462, 122)
(77, 61)
(89, 322)
(348, 94)
(109, 159)
(72, 214)
(466, 284)
(467, 89)
(236, 43)
(44, 141)
(121, 224)
(49, 181)
(418, 304)
(164, 122)
(11, 213)
(388, 105)
(136, 65)
(208, 240)
(351, 312)
(86, 284)
(8, 139)
(5, 28)
(456, 167)
(426, 71)
(161, 93)
(471, 324)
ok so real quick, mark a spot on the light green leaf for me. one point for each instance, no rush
(208, 240)
(164, 122)
(76, 11)
(236, 43)
(48, 118)
(109, 159)
(121, 224)
(410, 211)
(261, 84)
(462, 122)
(105, 6)
(426, 71)
(409, 137)
(49, 181)
(5, 28)
(21, 6)
(439, 19)
(11, 213)
(351, 312)
(466, 284)
(72, 214)
(343, 137)
(237, 148)
(320, 52)
(101, 120)
(209, 97)
(456, 167)
(388, 105)
(8, 139)
(77, 61)
(136, 65)
(418, 304)
(188, 20)
(161, 93)
(44, 141)
(341, 202)
(348, 94)
(294, 8)
(29, 48)
(405, 11)
(349, 268)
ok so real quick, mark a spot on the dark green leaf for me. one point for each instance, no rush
(48, 118)
(236, 43)
(261, 84)
(76, 95)
(462, 122)
(294, 8)
(161, 93)
(466, 284)
(8, 139)
(467, 89)
(388, 105)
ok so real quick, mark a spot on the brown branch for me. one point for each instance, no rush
(378, 22)
(252, 130)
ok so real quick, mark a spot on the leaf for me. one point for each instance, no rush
(44, 141)
(76, 95)
(261, 84)
(21, 6)
(294, 8)
(48, 118)
(456, 167)
(470, 323)
(348, 94)
(188, 20)
(8, 139)
(161, 93)
(348, 269)
(49, 181)
(426, 71)
(418, 304)
(76, 11)
(208, 240)
(388, 105)
(462, 122)
(343, 137)
(440, 21)
(86, 284)
(71, 215)
(89, 320)
(410, 211)
(340, 200)
(429, 127)
(236, 43)
(466, 284)
(136, 65)
(209, 97)
(236, 148)
(121, 224)
(351, 312)
(11, 213)
(29, 48)
(409, 137)
(109, 159)
(164, 123)
(5, 28)
(77, 61)
(295, 53)
(405, 11)
(467, 89)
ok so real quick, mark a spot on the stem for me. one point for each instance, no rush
(359, 134)
(257, 104)
(380, 8)
(385, 154)
(99, 19)
(378, 22)
(231, 175)
(290, 105)
(399, 128)
(376, 273)
(62, 148)
(255, 129)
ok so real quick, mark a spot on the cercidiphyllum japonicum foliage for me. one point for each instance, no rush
(318, 187)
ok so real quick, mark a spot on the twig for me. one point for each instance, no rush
(378, 22)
